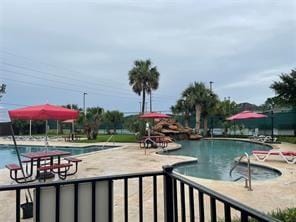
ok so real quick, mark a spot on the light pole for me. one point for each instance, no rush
(84, 109)
(272, 125)
(211, 83)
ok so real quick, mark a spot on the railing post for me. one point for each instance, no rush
(249, 175)
(168, 194)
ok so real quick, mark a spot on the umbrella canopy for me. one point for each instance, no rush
(69, 121)
(246, 115)
(154, 115)
(43, 112)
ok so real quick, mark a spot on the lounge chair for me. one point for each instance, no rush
(268, 139)
(259, 138)
(288, 156)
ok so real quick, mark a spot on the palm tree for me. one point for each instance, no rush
(2, 89)
(113, 118)
(286, 88)
(143, 78)
(209, 108)
(225, 109)
(197, 95)
(92, 122)
(182, 106)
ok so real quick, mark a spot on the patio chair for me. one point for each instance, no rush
(288, 156)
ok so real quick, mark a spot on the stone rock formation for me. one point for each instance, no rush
(171, 128)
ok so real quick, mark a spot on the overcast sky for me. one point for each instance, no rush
(53, 51)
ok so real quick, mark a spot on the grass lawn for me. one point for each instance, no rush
(120, 138)
(288, 139)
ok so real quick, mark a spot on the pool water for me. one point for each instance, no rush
(8, 153)
(216, 158)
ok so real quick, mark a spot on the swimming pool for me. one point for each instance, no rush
(216, 157)
(8, 154)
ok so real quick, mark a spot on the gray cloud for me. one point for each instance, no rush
(236, 44)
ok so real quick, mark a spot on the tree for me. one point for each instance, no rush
(183, 107)
(143, 78)
(197, 95)
(2, 90)
(286, 88)
(72, 106)
(270, 104)
(113, 118)
(135, 125)
(92, 121)
(225, 109)
(209, 108)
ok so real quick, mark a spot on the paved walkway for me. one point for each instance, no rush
(266, 195)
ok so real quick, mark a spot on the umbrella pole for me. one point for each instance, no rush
(30, 128)
(46, 125)
(19, 159)
(57, 127)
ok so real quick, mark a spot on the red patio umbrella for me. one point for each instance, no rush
(69, 121)
(43, 112)
(246, 115)
(72, 121)
(154, 115)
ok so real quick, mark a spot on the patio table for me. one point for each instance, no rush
(41, 155)
(157, 140)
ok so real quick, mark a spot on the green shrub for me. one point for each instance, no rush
(286, 215)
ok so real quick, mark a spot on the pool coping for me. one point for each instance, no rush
(114, 147)
(195, 159)
(58, 146)
(171, 147)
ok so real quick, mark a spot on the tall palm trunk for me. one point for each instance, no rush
(197, 117)
(143, 100)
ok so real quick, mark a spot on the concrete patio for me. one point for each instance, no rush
(266, 196)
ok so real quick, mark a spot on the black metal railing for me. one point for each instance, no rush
(189, 211)
(183, 200)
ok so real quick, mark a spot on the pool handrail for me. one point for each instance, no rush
(248, 180)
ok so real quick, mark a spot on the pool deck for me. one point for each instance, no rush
(266, 195)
